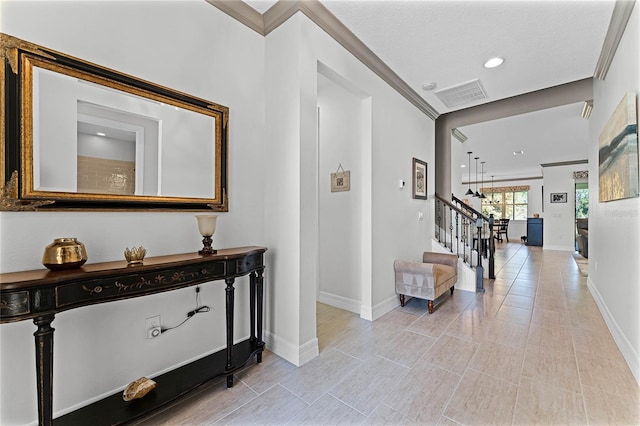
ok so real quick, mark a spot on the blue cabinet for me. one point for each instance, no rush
(534, 231)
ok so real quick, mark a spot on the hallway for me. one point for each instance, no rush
(533, 349)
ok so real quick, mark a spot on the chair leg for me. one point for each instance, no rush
(401, 300)
(430, 306)
(451, 290)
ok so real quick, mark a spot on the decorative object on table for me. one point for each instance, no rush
(558, 197)
(138, 388)
(419, 172)
(341, 180)
(64, 253)
(536, 215)
(135, 255)
(618, 153)
(207, 227)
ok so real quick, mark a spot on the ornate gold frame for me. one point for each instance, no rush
(16, 133)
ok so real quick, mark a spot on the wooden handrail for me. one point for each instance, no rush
(468, 207)
(454, 207)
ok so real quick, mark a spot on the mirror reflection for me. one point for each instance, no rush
(93, 139)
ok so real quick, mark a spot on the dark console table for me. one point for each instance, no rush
(40, 294)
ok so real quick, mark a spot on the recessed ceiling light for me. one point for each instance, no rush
(101, 134)
(518, 152)
(494, 62)
(463, 165)
(429, 85)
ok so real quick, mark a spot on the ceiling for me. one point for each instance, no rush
(544, 43)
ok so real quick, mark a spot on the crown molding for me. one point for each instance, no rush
(323, 18)
(474, 182)
(619, 18)
(564, 163)
(241, 12)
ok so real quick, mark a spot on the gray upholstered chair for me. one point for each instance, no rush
(429, 279)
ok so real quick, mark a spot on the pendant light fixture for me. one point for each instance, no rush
(492, 198)
(477, 194)
(482, 180)
(469, 191)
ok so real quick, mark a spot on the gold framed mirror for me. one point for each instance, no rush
(78, 135)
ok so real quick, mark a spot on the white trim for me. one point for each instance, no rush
(334, 300)
(308, 351)
(559, 248)
(297, 355)
(281, 11)
(381, 308)
(629, 354)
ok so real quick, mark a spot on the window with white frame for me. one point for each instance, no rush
(509, 202)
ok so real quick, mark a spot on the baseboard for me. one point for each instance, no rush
(629, 354)
(334, 300)
(558, 248)
(309, 351)
(383, 308)
(297, 355)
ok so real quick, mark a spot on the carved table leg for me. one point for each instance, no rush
(259, 304)
(230, 293)
(430, 306)
(401, 300)
(252, 306)
(44, 368)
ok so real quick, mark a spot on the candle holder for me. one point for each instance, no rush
(207, 227)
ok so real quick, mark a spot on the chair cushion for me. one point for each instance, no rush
(423, 280)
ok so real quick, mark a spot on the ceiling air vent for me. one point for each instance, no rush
(461, 94)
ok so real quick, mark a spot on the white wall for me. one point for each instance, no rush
(614, 227)
(188, 46)
(398, 133)
(560, 218)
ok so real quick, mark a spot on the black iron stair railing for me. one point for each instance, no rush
(487, 224)
(457, 228)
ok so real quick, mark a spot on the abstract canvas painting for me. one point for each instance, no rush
(618, 153)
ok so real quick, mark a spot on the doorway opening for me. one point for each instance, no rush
(344, 232)
(582, 217)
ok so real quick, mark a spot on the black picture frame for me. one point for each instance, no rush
(419, 178)
(558, 197)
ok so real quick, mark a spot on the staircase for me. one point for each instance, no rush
(457, 228)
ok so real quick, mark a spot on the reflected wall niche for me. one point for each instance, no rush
(79, 135)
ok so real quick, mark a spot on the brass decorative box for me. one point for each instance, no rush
(64, 253)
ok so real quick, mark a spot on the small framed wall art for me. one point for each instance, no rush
(558, 197)
(419, 173)
(341, 180)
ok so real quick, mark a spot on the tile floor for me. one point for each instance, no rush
(533, 349)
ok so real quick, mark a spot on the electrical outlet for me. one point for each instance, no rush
(153, 327)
